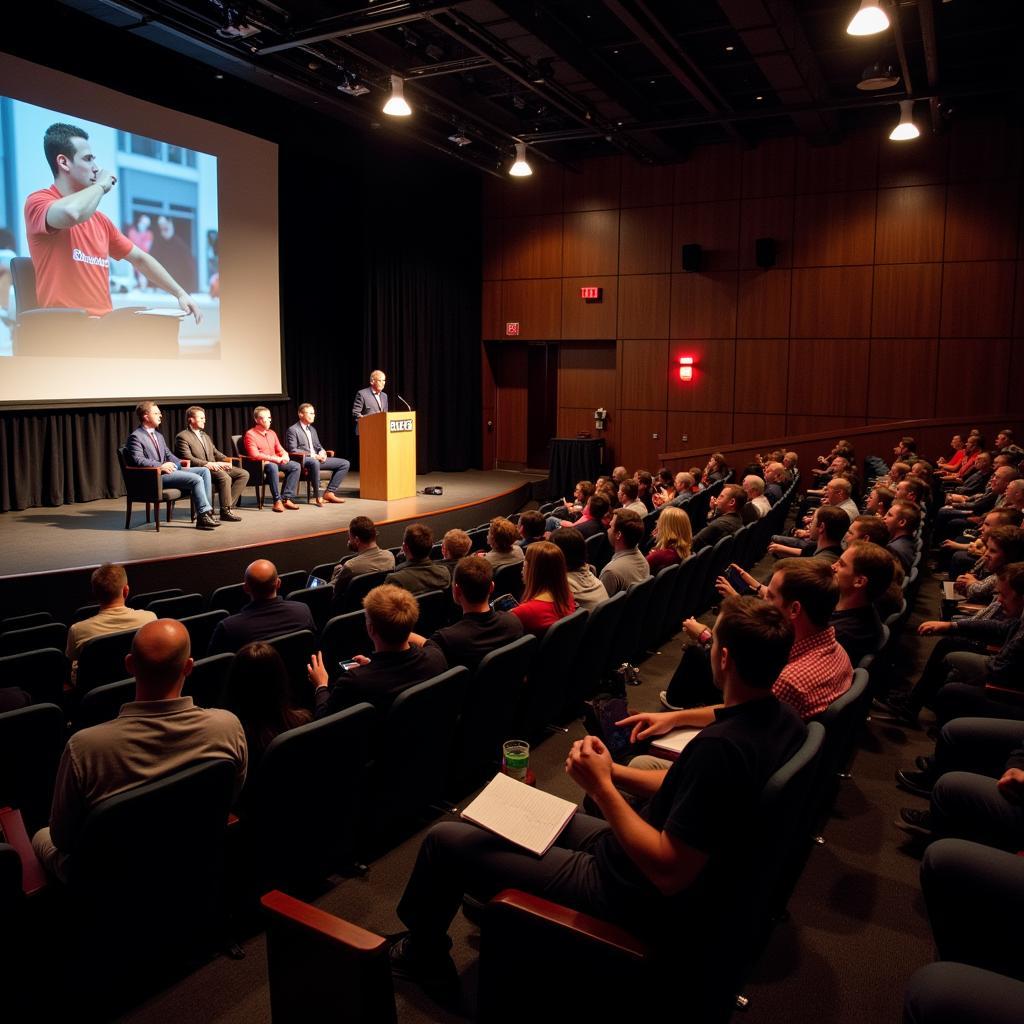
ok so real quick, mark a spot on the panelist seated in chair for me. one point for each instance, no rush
(146, 447)
(198, 447)
(261, 443)
(160, 732)
(665, 866)
(303, 440)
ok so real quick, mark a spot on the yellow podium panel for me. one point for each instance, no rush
(387, 456)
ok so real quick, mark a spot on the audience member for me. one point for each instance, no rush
(266, 615)
(531, 528)
(715, 470)
(727, 507)
(159, 733)
(864, 572)
(774, 481)
(455, 545)
(628, 491)
(757, 502)
(902, 521)
(594, 519)
(367, 555)
(587, 590)
(109, 585)
(419, 574)
(869, 528)
(501, 538)
(626, 566)
(673, 539)
(546, 594)
(395, 665)
(879, 500)
(645, 489)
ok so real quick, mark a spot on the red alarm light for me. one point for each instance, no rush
(686, 367)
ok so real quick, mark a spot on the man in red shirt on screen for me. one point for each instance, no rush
(71, 242)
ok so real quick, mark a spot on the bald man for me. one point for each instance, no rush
(265, 616)
(160, 732)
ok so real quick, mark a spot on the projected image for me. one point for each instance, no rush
(108, 241)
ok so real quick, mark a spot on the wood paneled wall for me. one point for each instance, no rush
(898, 289)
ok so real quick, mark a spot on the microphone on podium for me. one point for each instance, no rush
(403, 401)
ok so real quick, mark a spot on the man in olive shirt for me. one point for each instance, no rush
(419, 574)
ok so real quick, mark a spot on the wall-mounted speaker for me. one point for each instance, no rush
(691, 258)
(765, 252)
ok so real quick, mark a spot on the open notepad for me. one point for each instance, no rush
(671, 744)
(523, 815)
(949, 593)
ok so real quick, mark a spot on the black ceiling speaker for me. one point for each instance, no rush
(765, 251)
(691, 258)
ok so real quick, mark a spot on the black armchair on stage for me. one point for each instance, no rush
(145, 483)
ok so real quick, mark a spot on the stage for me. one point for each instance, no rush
(49, 553)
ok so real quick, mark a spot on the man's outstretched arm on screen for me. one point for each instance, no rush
(156, 274)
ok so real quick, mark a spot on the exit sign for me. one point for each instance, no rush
(590, 293)
(512, 330)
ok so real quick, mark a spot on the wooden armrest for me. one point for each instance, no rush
(33, 876)
(235, 458)
(574, 920)
(233, 820)
(186, 463)
(1004, 693)
(334, 928)
(330, 452)
(142, 469)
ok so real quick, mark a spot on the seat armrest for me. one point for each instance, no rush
(1005, 694)
(357, 939)
(142, 469)
(186, 463)
(33, 875)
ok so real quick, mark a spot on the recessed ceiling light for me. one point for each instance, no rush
(729, 49)
(758, 98)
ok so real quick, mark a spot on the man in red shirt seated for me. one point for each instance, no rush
(262, 443)
(71, 242)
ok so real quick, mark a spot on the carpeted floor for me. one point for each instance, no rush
(856, 929)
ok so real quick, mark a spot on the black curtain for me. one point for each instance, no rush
(380, 266)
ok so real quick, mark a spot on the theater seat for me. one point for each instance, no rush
(31, 743)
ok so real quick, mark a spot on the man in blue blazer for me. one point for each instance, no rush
(372, 399)
(146, 447)
(303, 440)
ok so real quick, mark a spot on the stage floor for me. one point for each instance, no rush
(44, 540)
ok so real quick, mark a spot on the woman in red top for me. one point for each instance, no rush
(546, 594)
(673, 539)
(952, 464)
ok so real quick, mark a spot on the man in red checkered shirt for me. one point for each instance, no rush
(818, 670)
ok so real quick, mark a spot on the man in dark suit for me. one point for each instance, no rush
(302, 439)
(372, 399)
(198, 447)
(146, 447)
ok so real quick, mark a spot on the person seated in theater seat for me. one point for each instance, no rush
(645, 488)
(160, 732)
(628, 497)
(627, 565)
(531, 528)
(367, 555)
(867, 528)
(546, 594)
(595, 518)
(664, 487)
(952, 464)
(501, 539)
(109, 585)
(419, 574)
(645, 869)
(902, 520)
(879, 499)
(587, 590)
(258, 693)
(864, 572)
(673, 539)
(716, 469)
(829, 524)
(726, 518)
(757, 503)
(620, 473)
(266, 615)
(395, 665)
(775, 481)
(455, 545)
(481, 629)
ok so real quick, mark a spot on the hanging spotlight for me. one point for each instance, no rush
(520, 169)
(878, 76)
(869, 19)
(906, 129)
(396, 105)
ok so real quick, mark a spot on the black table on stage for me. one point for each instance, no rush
(573, 459)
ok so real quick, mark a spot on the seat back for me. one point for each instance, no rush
(359, 587)
(548, 682)
(325, 570)
(34, 638)
(697, 509)
(317, 963)
(101, 659)
(207, 682)
(657, 621)
(318, 600)
(721, 556)
(595, 648)
(436, 610)
(841, 719)
(685, 595)
(178, 607)
(231, 598)
(142, 601)
(508, 579)
(296, 649)
(41, 673)
(24, 621)
(638, 600)
(344, 636)
(200, 628)
(146, 870)
(31, 742)
(23, 278)
(490, 709)
(104, 703)
(297, 831)
(292, 581)
(599, 551)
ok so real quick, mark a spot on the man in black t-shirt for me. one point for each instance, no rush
(639, 869)
(481, 629)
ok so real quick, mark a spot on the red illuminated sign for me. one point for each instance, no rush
(512, 330)
(686, 367)
(590, 293)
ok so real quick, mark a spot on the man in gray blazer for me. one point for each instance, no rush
(197, 446)
(372, 399)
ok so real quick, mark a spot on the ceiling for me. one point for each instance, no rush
(577, 78)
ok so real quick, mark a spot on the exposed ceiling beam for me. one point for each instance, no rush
(926, 15)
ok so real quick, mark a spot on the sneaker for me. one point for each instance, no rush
(435, 974)
(918, 783)
(227, 516)
(202, 523)
(663, 697)
(916, 823)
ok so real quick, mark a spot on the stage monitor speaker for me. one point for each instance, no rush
(765, 252)
(691, 258)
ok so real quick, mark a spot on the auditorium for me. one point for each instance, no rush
(510, 503)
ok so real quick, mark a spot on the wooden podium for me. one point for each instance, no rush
(387, 456)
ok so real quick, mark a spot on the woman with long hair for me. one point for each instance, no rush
(257, 692)
(673, 539)
(546, 594)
